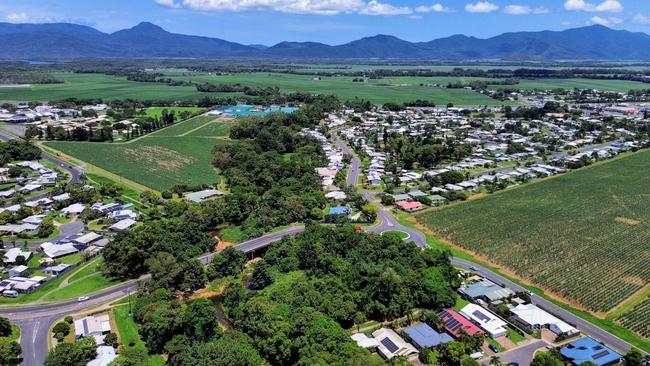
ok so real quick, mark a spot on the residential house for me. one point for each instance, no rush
(122, 225)
(589, 350)
(364, 341)
(93, 326)
(202, 196)
(486, 290)
(423, 336)
(489, 322)
(17, 271)
(58, 250)
(13, 253)
(105, 355)
(457, 324)
(392, 345)
(409, 206)
(532, 317)
(56, 271)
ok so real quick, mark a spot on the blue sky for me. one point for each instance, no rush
(334, 21)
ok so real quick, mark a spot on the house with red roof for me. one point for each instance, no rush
(409, 206)
(455, 323)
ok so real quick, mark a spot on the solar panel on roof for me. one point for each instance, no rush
(390, 346)
(600, 354)
(454, 324)
(481, 316)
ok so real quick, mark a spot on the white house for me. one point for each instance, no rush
(11, 255)
(58, 250)
(532, 317)
(392, 345)
(489, 322)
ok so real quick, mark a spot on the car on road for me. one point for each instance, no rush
(513, 364)
(83, 298)
(472, 268)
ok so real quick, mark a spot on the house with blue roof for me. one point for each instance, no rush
(423, 336)
(340, 211)
(589, 350)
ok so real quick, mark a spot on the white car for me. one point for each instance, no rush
(83, 298)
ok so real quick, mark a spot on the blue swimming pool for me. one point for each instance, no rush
(245, 110)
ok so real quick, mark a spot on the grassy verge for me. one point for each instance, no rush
(606, 324)
(84, 286)
(127, 331)
(15, 332)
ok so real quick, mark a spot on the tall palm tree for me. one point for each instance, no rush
(495, 361)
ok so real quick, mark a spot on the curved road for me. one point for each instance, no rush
(36, 320)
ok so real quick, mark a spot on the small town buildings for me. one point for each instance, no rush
(58, 250)
(122, 225)
(489, 322)
(423, 336)
(105, 355)
(364, 341)
(17, 271)
(392, 345)
(74, 209)
(93, 326)
(18, 229)
(87, 239)
(532, 317)
(486, 290)
(202, 196)
(56, 271)
(588, 350)
(457, 324)
(13, 253)
(409, 206)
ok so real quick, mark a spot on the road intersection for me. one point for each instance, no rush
(36, 320)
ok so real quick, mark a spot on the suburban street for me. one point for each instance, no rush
(35, 320)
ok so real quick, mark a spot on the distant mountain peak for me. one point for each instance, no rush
(147, 27)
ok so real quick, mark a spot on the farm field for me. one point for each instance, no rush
(638, 319)
(390, 89)
(157, 111)
(607, 85)
(158, 160)
(582, 235)
(103, 86)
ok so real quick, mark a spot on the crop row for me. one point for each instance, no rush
(638, 319)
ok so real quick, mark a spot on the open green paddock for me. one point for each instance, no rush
(603, 85)
(156, 112)
(106, 87)
(389, 89)
(179, 154)
(582, 235)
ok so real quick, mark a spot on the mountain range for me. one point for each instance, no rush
(146, 40)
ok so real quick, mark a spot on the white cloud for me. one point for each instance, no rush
(313, 7)
(607, 6)
(435, 8)
(172, 4)
(607, 22)
(524, 10)
(641, 19)
(481, 7)
(416, 17)
(377, 8)
(18, 18)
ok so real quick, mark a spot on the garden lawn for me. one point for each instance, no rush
(127, 329)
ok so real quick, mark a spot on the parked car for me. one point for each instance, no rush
(493, 348)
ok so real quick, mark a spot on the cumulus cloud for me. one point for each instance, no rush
(314, 7)
(481, 7)
(607, 22)
(641, 19)
(172, 4)
(524, 10)
(377, 8)
(607, 6)
(435, 8)
(18, 18)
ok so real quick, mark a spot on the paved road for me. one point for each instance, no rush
(354, 170)
(522, 355)
(35, 321)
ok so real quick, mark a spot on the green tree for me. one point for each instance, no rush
(200, 320)
(111, 339)
(9, 352)
(452, 353)
(132, 356)
(634, 357)
(261, 276)
(468, 361)
(546, 359)
(495, 361)
(60, 330)
(228, 262)
(5, 327)
(78, 353)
